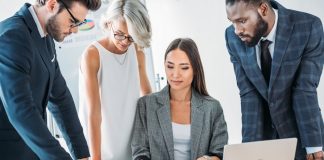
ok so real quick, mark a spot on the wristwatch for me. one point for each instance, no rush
(207, 157)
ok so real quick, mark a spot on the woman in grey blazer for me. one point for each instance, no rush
(181, 122)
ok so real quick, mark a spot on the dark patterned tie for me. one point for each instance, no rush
(265, 60)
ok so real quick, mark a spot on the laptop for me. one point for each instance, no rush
(279, 149)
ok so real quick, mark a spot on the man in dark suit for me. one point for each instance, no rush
(278, 57)
(30, 80)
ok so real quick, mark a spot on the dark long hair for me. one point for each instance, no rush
(190, 48)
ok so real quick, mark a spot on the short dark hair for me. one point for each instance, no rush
(92, 5)
(190, 48)
(250, 2)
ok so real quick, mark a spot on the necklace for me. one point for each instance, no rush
(119, 60)
(122, 61)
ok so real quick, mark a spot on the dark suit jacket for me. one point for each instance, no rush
(153, 137)
(291, 97)
(30, 77)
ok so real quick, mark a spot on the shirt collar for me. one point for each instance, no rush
(39, 27)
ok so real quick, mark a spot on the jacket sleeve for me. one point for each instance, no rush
(64, 112)
(16, 95)
(242, 80)
(140, 143)
(304, 93)
(250, 98)
(219, 136)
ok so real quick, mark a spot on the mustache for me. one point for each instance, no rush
(243, 35)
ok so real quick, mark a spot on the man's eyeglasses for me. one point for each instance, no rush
(76, 22)
(121, 37)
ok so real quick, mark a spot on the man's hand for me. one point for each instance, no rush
(315, 156)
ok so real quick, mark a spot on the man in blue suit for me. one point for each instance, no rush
(30, 80)
(278, 57)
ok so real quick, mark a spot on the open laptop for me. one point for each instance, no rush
(280, 149)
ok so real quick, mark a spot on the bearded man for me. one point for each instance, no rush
(31, 81)
(278, 57)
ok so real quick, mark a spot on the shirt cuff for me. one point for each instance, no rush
(313, 149)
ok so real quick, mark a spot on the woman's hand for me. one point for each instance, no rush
(208, 158)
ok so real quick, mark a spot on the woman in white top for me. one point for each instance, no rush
(112, 74)
(181, 122)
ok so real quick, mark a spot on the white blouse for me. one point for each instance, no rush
(181, 140)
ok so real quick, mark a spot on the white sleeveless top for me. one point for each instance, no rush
(182, 141)
(119, 89)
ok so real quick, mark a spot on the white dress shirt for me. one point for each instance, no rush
(39, 27)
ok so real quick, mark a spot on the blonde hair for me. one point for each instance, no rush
(136, 16)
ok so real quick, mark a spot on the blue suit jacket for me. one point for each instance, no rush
(291, 97)
(30, 80)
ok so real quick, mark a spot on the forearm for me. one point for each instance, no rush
(95, 137)
(144, 81)
(145, 86)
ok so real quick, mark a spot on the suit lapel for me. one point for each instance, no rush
(197, 121)
(164, 116)
(284, 30)
(253, 71)
(45, 49)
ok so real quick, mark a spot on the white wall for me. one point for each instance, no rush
(8, 8)
(205, 22)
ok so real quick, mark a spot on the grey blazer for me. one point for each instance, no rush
(153, 138)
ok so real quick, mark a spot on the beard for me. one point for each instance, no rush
(53, 29)
(260, 30)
